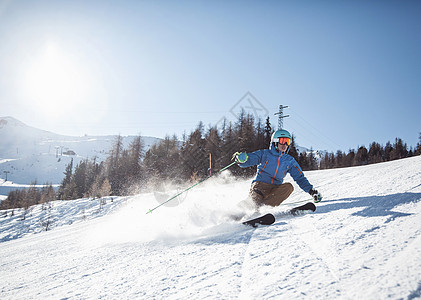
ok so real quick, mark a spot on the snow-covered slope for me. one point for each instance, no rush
(28, 154)
(363, 242)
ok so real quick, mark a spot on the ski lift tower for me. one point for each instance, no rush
(281, 116)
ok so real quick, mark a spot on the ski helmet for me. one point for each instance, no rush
(278, 134)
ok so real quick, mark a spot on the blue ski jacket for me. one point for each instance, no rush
(272, 167)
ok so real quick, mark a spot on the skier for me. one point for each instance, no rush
(272, 165)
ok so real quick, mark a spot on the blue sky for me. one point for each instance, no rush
(349, 71)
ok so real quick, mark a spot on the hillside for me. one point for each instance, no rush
(363, 242)
(28, 153)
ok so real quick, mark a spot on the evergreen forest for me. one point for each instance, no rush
(203, 151)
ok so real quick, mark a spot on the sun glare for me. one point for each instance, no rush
(56, 83)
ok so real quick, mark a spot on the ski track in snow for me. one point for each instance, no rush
(363, 242)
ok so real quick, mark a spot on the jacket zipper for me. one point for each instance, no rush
(277, 167)
(263, 167)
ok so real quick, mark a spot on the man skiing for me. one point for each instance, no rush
(272, 166)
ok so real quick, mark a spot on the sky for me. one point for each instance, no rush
(349, 71)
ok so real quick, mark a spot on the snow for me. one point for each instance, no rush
(363, 242)
(30, 154)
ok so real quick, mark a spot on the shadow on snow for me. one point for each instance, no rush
(374, 206)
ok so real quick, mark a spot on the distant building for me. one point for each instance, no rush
(69, 152)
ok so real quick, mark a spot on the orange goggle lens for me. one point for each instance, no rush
(284, 140)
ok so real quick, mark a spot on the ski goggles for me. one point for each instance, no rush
(283, 140)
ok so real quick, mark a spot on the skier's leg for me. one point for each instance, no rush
(259, 191)
(279, 194)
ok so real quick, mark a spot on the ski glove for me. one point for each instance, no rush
(316, 195)
(240, 157)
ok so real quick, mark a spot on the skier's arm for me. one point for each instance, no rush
(298, 175)
(249, 159)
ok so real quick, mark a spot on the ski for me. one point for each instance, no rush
(269, 219)
(301, 209)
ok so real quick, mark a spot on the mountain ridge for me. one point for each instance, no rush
(29, 154)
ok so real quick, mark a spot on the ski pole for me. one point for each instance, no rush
(189, 188)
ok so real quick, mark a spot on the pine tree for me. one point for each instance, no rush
(245, 132)
(303, 161)
(194, 158)
(350, 158)
(312, 162)
(328, 161)
(131, 165)
(260, 134)
(114, 166)
(245, 135)
(361, 157)
(375, 153)
(229, 144)
(400, 150)
(292, 148)
(268, 132)
(105, 189)
(339, 159)
(213, 143)
(66, 180)
(79, 182)
(388, 152)
(417, 150)
(47, 194)
(162, 161)
(324, 160)
(136, 153)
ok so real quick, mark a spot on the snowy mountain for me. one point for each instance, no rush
(318, 154)
(28, 154)
(363, 242)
